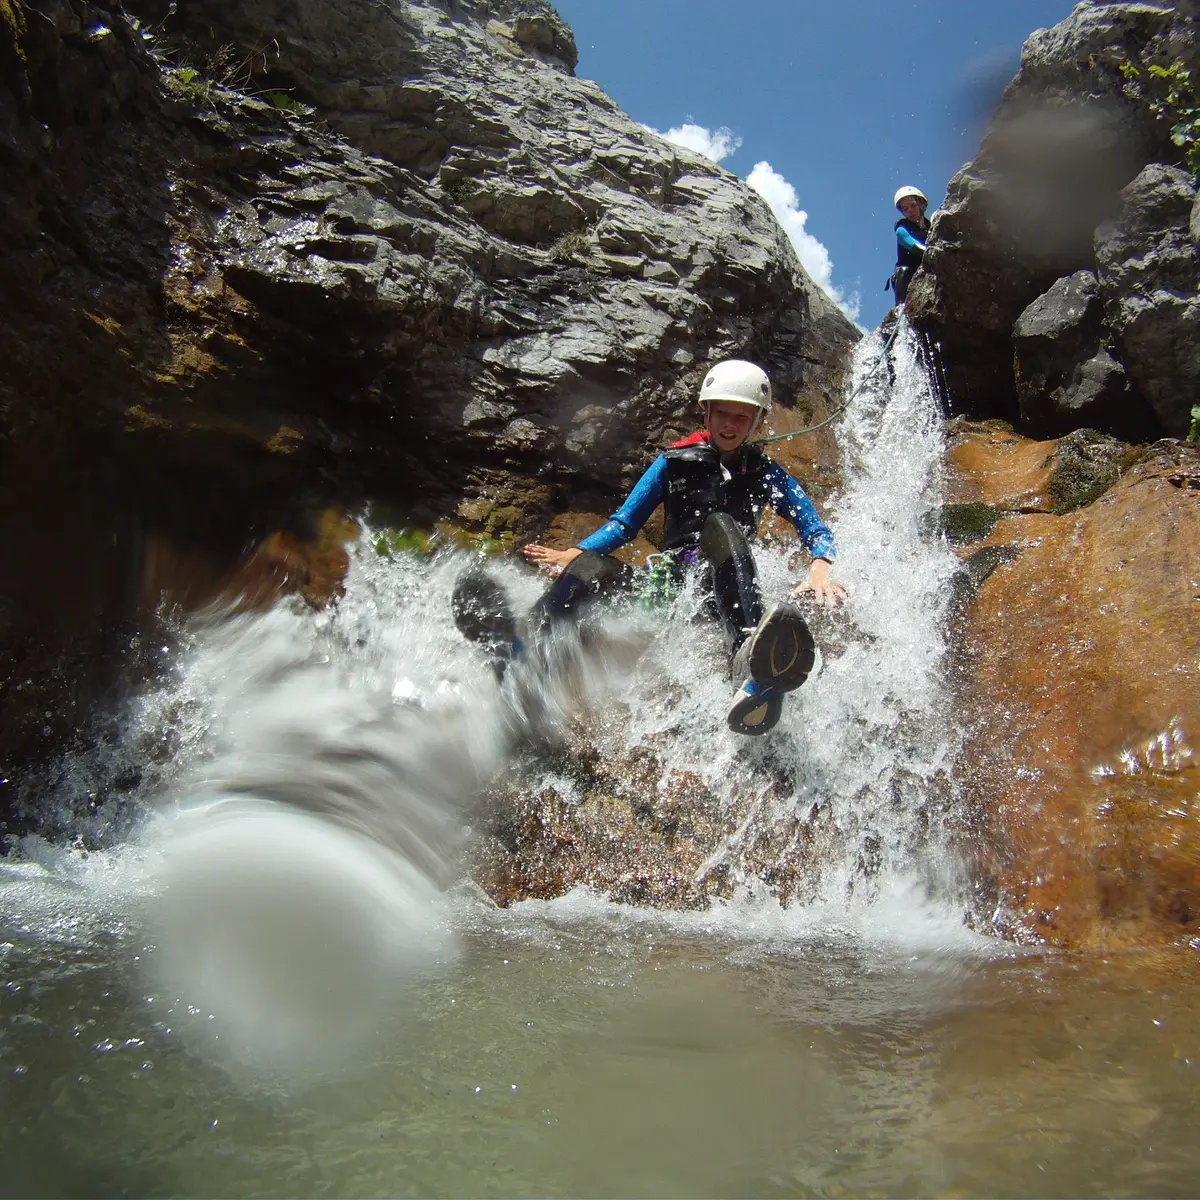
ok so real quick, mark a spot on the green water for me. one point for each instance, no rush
(600, 1055)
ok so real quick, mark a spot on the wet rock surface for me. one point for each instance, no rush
(393, 252)
(1081, 650)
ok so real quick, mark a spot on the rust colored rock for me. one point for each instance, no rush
(1083, 664)
(288, 563)
(992, 464)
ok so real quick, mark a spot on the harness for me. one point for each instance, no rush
(910, 256)
(702, 481)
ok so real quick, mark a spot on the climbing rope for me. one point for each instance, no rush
(779, 437)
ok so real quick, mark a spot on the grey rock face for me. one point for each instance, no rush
(461, 280)
(1068, 135)
(1066, 379)
(1069, 309)
(1149, 277)
(513, 242)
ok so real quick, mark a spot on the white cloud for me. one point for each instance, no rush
(781, 198)
(715, 144)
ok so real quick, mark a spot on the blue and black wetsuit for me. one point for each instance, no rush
(712, 504)
(910, 250)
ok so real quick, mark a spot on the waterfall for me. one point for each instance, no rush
(306, 777)
(853, 791)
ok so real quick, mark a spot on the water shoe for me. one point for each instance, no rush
(777, 658)
(483, 614)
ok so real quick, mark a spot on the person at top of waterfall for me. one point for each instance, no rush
(912, 236)
(713, 485)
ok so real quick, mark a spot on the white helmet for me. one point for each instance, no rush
(909, 190)
(740, 382)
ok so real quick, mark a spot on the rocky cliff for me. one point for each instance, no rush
(382, 251)
(1062, 282)
(1062, 285)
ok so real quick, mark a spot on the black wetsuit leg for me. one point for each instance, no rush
(733, 575)
(589, 577)
(901, 280)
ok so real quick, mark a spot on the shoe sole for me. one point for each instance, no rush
(482, 613)
(753, 715)
(782, 651)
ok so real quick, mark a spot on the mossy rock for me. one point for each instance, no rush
(390, 543)
(961, 524)
(974, 572)
(1084, 465)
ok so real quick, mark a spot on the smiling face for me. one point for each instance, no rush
(730, 423)
(912, 208)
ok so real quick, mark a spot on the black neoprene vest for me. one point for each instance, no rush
(697, 486)
(910, 256)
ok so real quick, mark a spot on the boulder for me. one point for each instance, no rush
(1068, 134)
(1066, 373)
(1149, 276)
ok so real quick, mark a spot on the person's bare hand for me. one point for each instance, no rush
(818, 584)
(553, 562)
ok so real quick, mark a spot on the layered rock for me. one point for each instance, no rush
(398, 252)
(542, 280)
(1021, 221)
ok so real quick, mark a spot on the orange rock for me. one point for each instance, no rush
(996, 467)
(284, 563)
(1084, 665)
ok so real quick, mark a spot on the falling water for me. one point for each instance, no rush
(308, 772)
(861, 764)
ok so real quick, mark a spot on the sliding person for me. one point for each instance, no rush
(714, 486)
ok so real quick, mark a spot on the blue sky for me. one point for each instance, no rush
(844, 102)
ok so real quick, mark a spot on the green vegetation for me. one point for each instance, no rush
(196, 75)
(12, 16)
(1171, 96)
(390, 543)
(460, 191)
(287, 104)
(961, 524)
(1193, 436)
(965, 523)
(189, 85)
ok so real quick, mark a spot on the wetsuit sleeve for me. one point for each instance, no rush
(624, 524)
(907, 241)
(791, 502)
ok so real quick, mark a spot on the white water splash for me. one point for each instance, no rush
(865, 748)
(310, 770)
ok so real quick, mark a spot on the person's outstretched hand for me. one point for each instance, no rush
(818, 584)
(551, 561)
